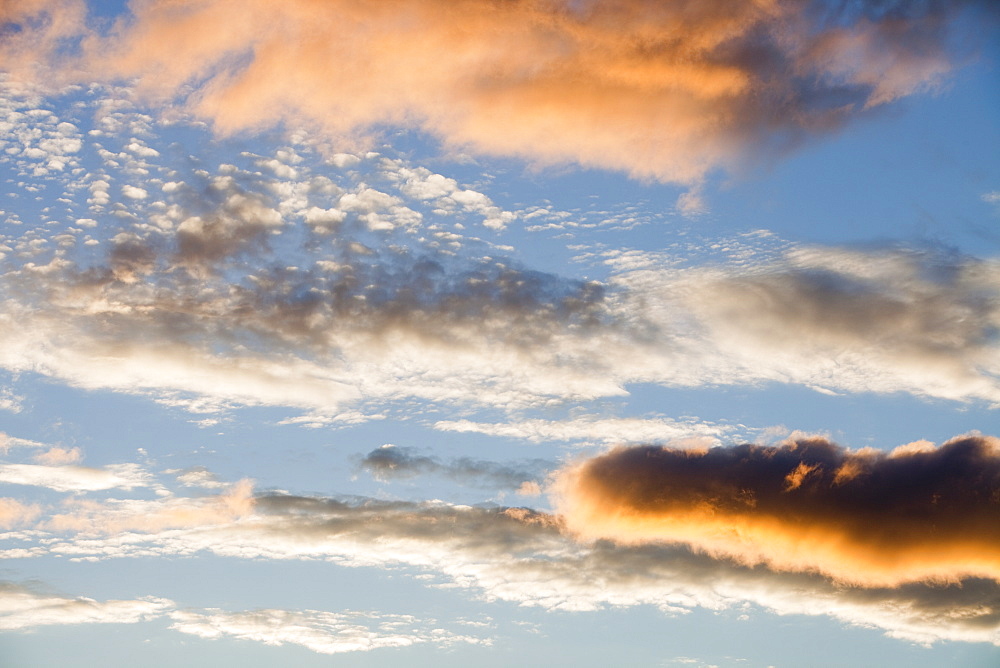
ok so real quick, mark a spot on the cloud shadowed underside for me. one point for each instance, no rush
(918, 513)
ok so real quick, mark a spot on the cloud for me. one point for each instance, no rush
(592, 428)
(57, 456)
(321, 632)
(223, 293)
(14, 513)
(918, 513)
(127, 515)
(22, 608)
(10, 401)
(525, 557)
(860, 320)
(391, 461)
(68, 478)
(7, 442)
(659, 91)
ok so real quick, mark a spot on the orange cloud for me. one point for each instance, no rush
(867, 518)
(659, 90)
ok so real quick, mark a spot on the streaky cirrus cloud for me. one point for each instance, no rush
(319, 631)
(529, 558)
(595, 429)
(25, 608)
(660, 90)
(866, 517)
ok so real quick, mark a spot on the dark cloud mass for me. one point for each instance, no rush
(918, 513)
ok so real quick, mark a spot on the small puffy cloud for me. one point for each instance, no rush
(134, 192)
(57, 456)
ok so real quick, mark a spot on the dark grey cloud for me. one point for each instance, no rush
(391, 461)
(917, 513)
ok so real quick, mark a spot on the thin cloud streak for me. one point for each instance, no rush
(24, 609)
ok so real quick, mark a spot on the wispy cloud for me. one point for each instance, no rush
(23, 608)
(70, 478)
(321, 632)
(595, 429)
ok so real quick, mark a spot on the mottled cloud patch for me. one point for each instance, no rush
(321, 632)
(391, 461)
(918, 513)
(227, 287)
(664, 91)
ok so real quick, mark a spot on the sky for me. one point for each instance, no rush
(540, 332)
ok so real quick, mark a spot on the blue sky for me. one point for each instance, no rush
(628, 333)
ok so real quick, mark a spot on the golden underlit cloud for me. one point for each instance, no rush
(662, 91)
(918, 513)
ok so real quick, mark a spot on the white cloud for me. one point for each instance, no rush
(75, 478)
(134, 192)
(321, 632)
(23, 609)
(595, 429)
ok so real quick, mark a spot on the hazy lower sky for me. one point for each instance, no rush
(538, 332)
